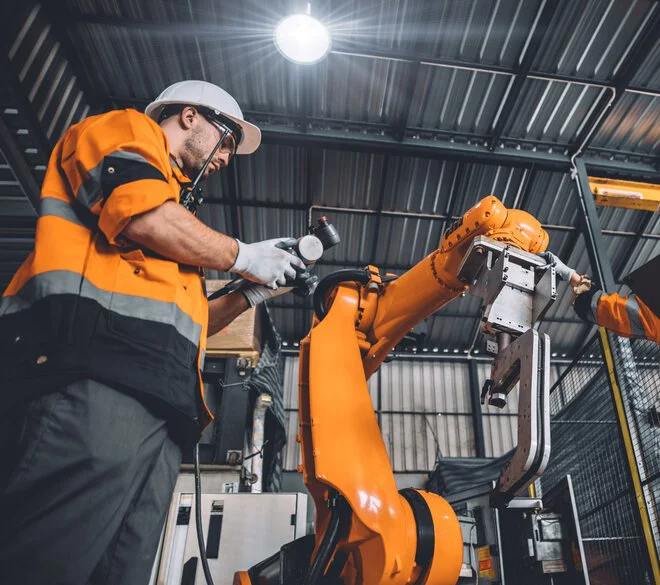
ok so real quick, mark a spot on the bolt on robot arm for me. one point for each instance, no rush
(367, 531)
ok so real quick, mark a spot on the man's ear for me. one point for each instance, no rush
(187, 117)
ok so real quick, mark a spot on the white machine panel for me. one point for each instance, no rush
(240, 530)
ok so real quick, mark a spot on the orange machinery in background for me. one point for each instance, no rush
(367, 531)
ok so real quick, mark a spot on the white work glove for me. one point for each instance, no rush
(258, 293)
(265, 263)
(563, 272)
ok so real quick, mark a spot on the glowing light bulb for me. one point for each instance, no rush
(302, 39)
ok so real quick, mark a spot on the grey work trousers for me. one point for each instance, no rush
(87, 474)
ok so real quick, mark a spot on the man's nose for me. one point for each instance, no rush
(223, 158)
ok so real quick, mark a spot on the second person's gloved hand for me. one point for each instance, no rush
(563, 272)
(258, 293)
(266, 263)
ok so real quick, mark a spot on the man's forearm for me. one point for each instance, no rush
(224, 310)
(173, 232)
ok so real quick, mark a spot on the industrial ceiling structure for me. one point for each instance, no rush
(420, 109)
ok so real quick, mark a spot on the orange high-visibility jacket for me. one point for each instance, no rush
(627, 316)
(88, 303)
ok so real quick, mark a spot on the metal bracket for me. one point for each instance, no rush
(516, 287)
(527, 360)
(525, 504)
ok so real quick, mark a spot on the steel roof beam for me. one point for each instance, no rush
(436, 149)
(402, 214)
(595, 244)
(405, 101)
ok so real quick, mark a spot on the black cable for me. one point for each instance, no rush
(230, 287)
(198, 520)
(328, 544)
(326, 284)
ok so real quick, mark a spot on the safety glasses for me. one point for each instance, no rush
(228, 145)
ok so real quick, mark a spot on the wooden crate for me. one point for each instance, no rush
(241, 338)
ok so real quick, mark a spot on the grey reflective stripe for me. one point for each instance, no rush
(202, 360)
(593, 308)
(130, 156)
(59, 208)
(57, 282)
(636, 327)
(90, 192)
(158, 311)
(66, 282)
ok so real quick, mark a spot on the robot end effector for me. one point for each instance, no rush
(516, 289)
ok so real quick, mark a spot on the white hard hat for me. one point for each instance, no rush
(202, 93)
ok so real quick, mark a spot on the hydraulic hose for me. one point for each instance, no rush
(198, 520)
(360, 275)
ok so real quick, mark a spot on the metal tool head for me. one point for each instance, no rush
(326, 232)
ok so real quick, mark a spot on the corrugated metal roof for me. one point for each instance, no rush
(648, 74)
(590, 37)
(489, 31)
(551, 111)
(633, 125)
(468, 100)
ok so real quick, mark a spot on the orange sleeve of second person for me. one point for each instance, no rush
(117, 167)
(628, 316)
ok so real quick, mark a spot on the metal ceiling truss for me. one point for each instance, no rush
(399, 144)
(439, 144)
(453, 150)
(404, 214)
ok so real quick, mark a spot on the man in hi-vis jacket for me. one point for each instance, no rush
(102, 336)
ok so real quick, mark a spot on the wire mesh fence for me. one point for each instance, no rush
(637, 364)
(587, 442)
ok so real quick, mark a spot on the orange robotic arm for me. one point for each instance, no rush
(367, 531)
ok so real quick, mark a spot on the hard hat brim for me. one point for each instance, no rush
(250, 134)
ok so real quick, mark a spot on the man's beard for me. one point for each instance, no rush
(194, 155)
